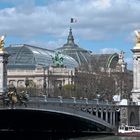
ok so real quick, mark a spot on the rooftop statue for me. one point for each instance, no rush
(58, 59)
(137, 37)
(2, 43)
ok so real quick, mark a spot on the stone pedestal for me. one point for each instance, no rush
(129, 115)
(136, 74)
(3, 71)
(124, 116)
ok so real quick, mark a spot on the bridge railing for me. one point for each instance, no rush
(72, 100)
(58, 100)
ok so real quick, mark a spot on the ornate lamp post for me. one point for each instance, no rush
(44, 81)
(48, 92)
(60, 88)
(43, 67)
(26, 83)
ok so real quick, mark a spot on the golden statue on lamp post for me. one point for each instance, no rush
(2, 43)
(137, 39)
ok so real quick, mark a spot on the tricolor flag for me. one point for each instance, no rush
(73, 20)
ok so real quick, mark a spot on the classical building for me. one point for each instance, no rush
(51, 69)
(37, 65)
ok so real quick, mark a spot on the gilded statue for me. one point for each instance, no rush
(2, 43)
(137, 37)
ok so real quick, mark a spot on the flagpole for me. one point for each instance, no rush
(72, 21)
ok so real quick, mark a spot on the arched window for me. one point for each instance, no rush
(132, 119)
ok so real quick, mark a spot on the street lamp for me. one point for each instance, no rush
(60, 88)
(45, 98)
(86, 100)
(48, 83)
(44, 81)
(74, 99)
(107, 102)
(98, 96)
(97, 101)
(44, 77)
(60, 98)
(26, 83)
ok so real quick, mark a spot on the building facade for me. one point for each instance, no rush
(51, 70)
(38, 66)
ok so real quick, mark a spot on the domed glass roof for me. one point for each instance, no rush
(73, 50)
(26, 56)
(106, 60)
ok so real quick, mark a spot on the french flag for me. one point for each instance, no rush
(73, 20)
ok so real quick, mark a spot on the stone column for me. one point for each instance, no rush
(111, 117)
(106, 117)
(136, 69)
(124, 115)
(102, 113)
(3, 67)
(114, 118)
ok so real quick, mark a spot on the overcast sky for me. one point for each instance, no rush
(103, 26)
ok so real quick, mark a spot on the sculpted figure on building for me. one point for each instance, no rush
(58, 59)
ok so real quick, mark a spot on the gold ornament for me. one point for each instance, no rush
(2, 43)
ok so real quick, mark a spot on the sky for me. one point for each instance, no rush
(103, 26)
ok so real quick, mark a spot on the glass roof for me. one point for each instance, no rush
(81, 56)
(106, 60)
(74, 51)
(26, 56)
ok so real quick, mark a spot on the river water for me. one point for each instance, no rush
(102, 137)
(45, 136)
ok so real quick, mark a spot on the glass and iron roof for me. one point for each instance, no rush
(27, 56)
(70, 48)
(105, 60)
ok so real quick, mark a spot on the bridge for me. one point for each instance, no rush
(58, 114)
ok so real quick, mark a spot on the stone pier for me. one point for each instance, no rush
(3, 67)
